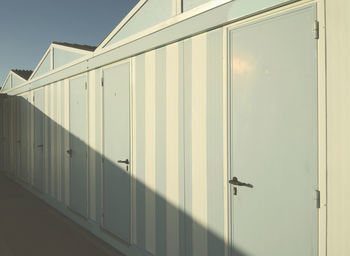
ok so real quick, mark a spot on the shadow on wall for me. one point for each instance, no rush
(66, 169)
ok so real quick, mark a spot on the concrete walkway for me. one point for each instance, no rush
(29, 227)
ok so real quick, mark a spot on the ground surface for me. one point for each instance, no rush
(29, 227)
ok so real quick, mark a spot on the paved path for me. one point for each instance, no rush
(29, 227)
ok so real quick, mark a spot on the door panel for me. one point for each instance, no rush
(116, 180)
(78, 146)
(38, 138)
(274, 135)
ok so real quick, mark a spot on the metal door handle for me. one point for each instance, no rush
(40, 146)
(69, 152)
(234, 181)
(126, 161)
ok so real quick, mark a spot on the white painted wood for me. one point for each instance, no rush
(175, 19)
(322, 129)
(92, 144)
(199, 144)
(134, 10)
(133, 152)
(338, 126)
(52, 57)
(31, 136)
(59, 140)
(66, 141)
(225, 112)
(40, 62)
(150, 114)
(7, 78)
(176, 7)
(51, 116)
(172, 148)
(46, 137)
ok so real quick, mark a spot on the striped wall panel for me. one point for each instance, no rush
(92, 143)
(31, 135)
(158, 136)
(178, 118)
(204, 116)
(66, 140)
(179, 167)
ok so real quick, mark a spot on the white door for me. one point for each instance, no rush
(116, 178)
(274, 136)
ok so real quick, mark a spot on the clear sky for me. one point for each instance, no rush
(27, 27)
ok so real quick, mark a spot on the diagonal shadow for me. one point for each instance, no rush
(50, 161)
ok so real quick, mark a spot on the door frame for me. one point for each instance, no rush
(131, 160)
(322, 114)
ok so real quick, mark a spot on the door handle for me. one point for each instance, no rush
(126, 161)
(234, 181)
(40, 146)
(69, 152)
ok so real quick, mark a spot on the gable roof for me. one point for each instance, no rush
(124, 21)
(145, 18)
(77, 46)
(15, 77)
(25, 74)
(47, 62)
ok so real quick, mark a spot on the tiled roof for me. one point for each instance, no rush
(23, 73)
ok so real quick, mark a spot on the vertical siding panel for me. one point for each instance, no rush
(46, 139)
(31, 148)
(133, 155)
(92, 144)
(172, 149)
(338, 127)
(140, 150)
(66, 140)
(161, 171)
(181, 153)
(63, 151)
(225, 140)
(199, 144)
(52, 140)
(58, 140)
(150, 150)
(215, 169)
(98, 144)
(188, 143)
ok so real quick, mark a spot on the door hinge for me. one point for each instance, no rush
(316, 29)
(318, 199)
(33, 98)
(85, 85)
(102, 81)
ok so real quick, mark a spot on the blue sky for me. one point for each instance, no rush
(27, 27)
